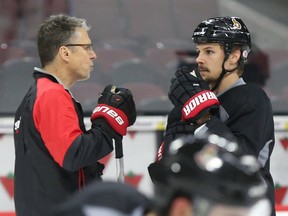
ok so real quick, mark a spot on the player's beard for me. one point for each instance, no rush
(205, 73)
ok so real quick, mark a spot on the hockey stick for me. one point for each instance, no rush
(119, 160)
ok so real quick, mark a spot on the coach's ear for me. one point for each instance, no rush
(64, 53)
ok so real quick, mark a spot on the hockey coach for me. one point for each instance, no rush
(55, 154)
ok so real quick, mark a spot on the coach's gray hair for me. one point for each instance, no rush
(54, 32)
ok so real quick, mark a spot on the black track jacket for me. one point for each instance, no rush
(55, 155)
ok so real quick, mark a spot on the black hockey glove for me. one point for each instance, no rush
(184, 85)
(105, 126)
(115, 111)
(190, 91)
(177, 130)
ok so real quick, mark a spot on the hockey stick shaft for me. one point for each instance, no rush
(119, 160)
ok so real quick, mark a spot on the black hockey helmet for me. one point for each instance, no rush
(230, 31)
(212, 169)
(105, 198)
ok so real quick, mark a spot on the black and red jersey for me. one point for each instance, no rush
(55, 154)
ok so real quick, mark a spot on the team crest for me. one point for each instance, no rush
(236, 24)
(208, 158)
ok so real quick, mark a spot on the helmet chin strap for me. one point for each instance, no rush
(224, 71)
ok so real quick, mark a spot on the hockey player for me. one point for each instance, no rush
(208, 177)
(214, 98)
(55, 154)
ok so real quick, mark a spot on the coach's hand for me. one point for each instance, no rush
(192, 93)
(115, 111)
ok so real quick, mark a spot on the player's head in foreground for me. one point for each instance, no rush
(107, 199)
(209, 177)
(223, 45)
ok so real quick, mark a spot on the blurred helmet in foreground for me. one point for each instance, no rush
(216, 175)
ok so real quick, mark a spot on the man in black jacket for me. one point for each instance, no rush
(55, 154)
